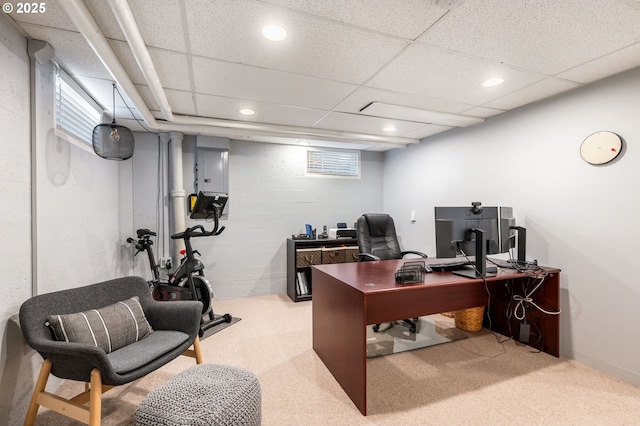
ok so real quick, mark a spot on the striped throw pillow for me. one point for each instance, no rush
(110, 328)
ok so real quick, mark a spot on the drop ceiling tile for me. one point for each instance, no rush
(127, 60)
(543, 36)
(363, 96)
(53, 17)
(172, 68)
(315, 47)
(402, 18)
(227, 108)
(181, 102)
(426, 131)
(436, 73)
(72, 52)
(483, 112)
(616, 62)
(365, 124)
(259, 84)
(147, 96)
(539, 90)
(159, 22)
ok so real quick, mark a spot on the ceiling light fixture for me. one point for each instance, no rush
(389, 129)
(247, 111)
(274, 32)
(492, 82)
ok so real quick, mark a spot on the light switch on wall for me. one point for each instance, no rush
(413, 216)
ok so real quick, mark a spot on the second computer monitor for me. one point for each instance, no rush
(455, 225)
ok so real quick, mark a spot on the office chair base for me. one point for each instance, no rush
(411, 324)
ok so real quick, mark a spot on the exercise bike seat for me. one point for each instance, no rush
(143, 232)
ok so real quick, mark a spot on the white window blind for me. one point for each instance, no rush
(76, 113)
(333, 163)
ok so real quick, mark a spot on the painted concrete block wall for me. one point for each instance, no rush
(77, 204)
(580, 218)
(15, 209)
(271, 199)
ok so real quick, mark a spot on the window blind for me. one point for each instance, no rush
(333, 163)
(75, 114)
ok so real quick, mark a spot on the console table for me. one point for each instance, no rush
(354, 295)
(294, 247)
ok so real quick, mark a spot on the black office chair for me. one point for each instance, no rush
(377, 240)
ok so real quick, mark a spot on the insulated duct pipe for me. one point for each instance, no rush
(176, 194)
(84, 22)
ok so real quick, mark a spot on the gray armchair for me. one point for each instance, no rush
(174, 325)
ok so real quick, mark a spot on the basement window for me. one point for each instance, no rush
(333, 163)
(76, 113)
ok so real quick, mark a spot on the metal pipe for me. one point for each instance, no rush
(176, 193)
(84, 22)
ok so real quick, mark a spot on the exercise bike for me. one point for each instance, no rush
(188, 281)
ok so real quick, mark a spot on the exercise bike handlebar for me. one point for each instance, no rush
(197, 231)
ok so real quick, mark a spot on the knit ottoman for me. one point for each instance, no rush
(207, 394)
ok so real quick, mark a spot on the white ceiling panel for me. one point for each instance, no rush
(340, 55)
(403, 18)
(426, 131)
(433, 72)
(232, 31)
(538, 90)
(181, 102)
(71, 51)
(558, 35)
(616, 62)
(366, 124)
(228, 108)
(365, 95)
(261, 84)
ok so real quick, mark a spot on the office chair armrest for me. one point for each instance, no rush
(367, 256)
(418, 253)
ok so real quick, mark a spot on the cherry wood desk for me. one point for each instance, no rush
(349, 296)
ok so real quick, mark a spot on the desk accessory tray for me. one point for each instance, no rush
(411, 273)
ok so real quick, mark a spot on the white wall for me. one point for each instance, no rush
(580, 218)
(269, 200)
(15, 208)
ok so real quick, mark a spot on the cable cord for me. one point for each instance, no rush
(523, 301)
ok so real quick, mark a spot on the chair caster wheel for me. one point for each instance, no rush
(412, 329)
(227, 317)
(376, 328)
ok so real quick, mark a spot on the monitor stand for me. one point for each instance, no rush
(480, 270)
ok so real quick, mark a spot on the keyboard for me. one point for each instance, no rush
(449, 266)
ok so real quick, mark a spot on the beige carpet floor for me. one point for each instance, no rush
(475, 381)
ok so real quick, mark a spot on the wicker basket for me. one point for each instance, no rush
(352, 254)
(333, 255)
(308, 257)
(469, 319)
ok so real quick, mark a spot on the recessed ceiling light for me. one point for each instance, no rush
(247, 111)
(389, 129)
(493, 82)
(274, 32)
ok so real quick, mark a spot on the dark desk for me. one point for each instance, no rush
(349, 296)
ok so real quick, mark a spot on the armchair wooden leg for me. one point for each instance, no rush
(95, 398)
(75, 407)
(30, 419)
(196, 352)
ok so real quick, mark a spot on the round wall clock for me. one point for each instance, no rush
(601, 147)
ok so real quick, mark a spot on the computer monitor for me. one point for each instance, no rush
(454, 225)
(512, 236)
(209, 205)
